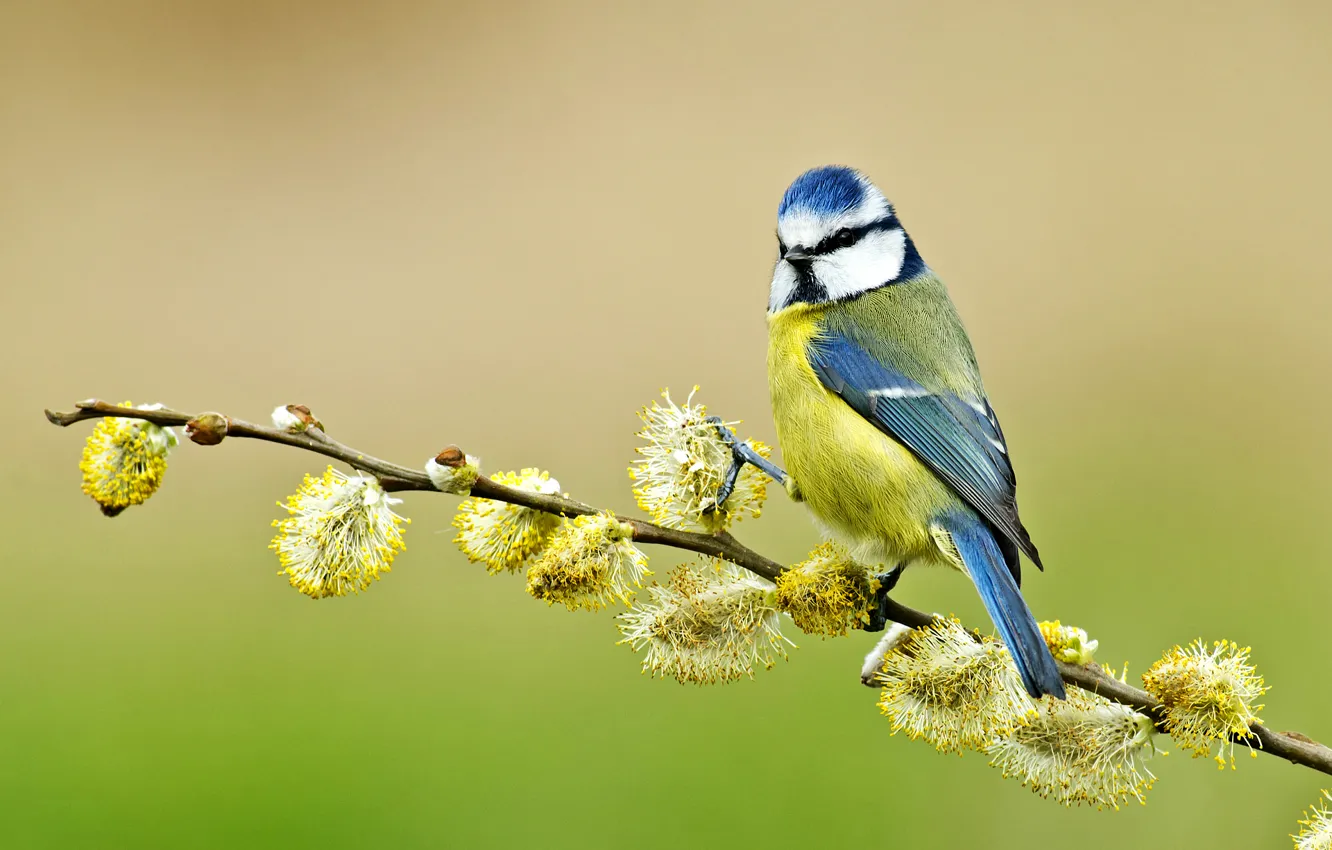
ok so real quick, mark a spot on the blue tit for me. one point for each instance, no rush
(883, 422)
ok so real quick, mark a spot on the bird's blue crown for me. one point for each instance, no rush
(825, 191)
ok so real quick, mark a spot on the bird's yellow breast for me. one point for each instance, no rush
(867, 488)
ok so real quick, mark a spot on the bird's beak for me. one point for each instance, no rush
(796, 255)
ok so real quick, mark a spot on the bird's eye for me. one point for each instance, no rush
(844, 238)
(781, 246)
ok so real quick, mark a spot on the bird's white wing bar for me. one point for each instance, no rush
(899, 392)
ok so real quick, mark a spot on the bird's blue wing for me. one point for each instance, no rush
(959, 439)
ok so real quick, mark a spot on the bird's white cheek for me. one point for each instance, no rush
(873, 261)
(783, 287)
(831, 273)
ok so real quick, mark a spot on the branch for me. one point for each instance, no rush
(1292, 746)
(393, 477)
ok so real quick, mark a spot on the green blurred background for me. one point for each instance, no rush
(510, 225)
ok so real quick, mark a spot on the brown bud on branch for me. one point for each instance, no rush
(207, 429)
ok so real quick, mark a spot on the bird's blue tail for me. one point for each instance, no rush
(985, 563)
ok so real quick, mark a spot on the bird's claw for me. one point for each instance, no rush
(878, 617)
(741, 454)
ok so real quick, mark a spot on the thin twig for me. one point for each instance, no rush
(1292, 746)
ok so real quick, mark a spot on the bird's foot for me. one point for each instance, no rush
(741, 454)
(879, 611)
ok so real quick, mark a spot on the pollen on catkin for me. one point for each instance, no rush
(828, 593)
(1085, 749)
(1208, 695)
(590, 564)
(1069, 644)
(124, 460)
(954, 690)
(1317, 823)
(503, 536)
(339, 535)
(706, 626)
(683, 463)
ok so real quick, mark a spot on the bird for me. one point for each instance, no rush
(883, 422)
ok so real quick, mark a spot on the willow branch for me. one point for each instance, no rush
(393, 477)
(1292, 746)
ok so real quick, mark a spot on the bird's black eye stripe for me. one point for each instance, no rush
(848, 236)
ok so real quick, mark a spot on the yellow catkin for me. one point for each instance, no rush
(1069, 644)
(1083, 750)
(339, 535)
(957, 692)
(1209, 695)
(683, 463)
(124, 461)
(503, 536)
(828, 593)
(706, 626)
(1317, 823)
(590, 564)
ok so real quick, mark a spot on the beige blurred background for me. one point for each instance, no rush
(509, 226)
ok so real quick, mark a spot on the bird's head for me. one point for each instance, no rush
(837, 237)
